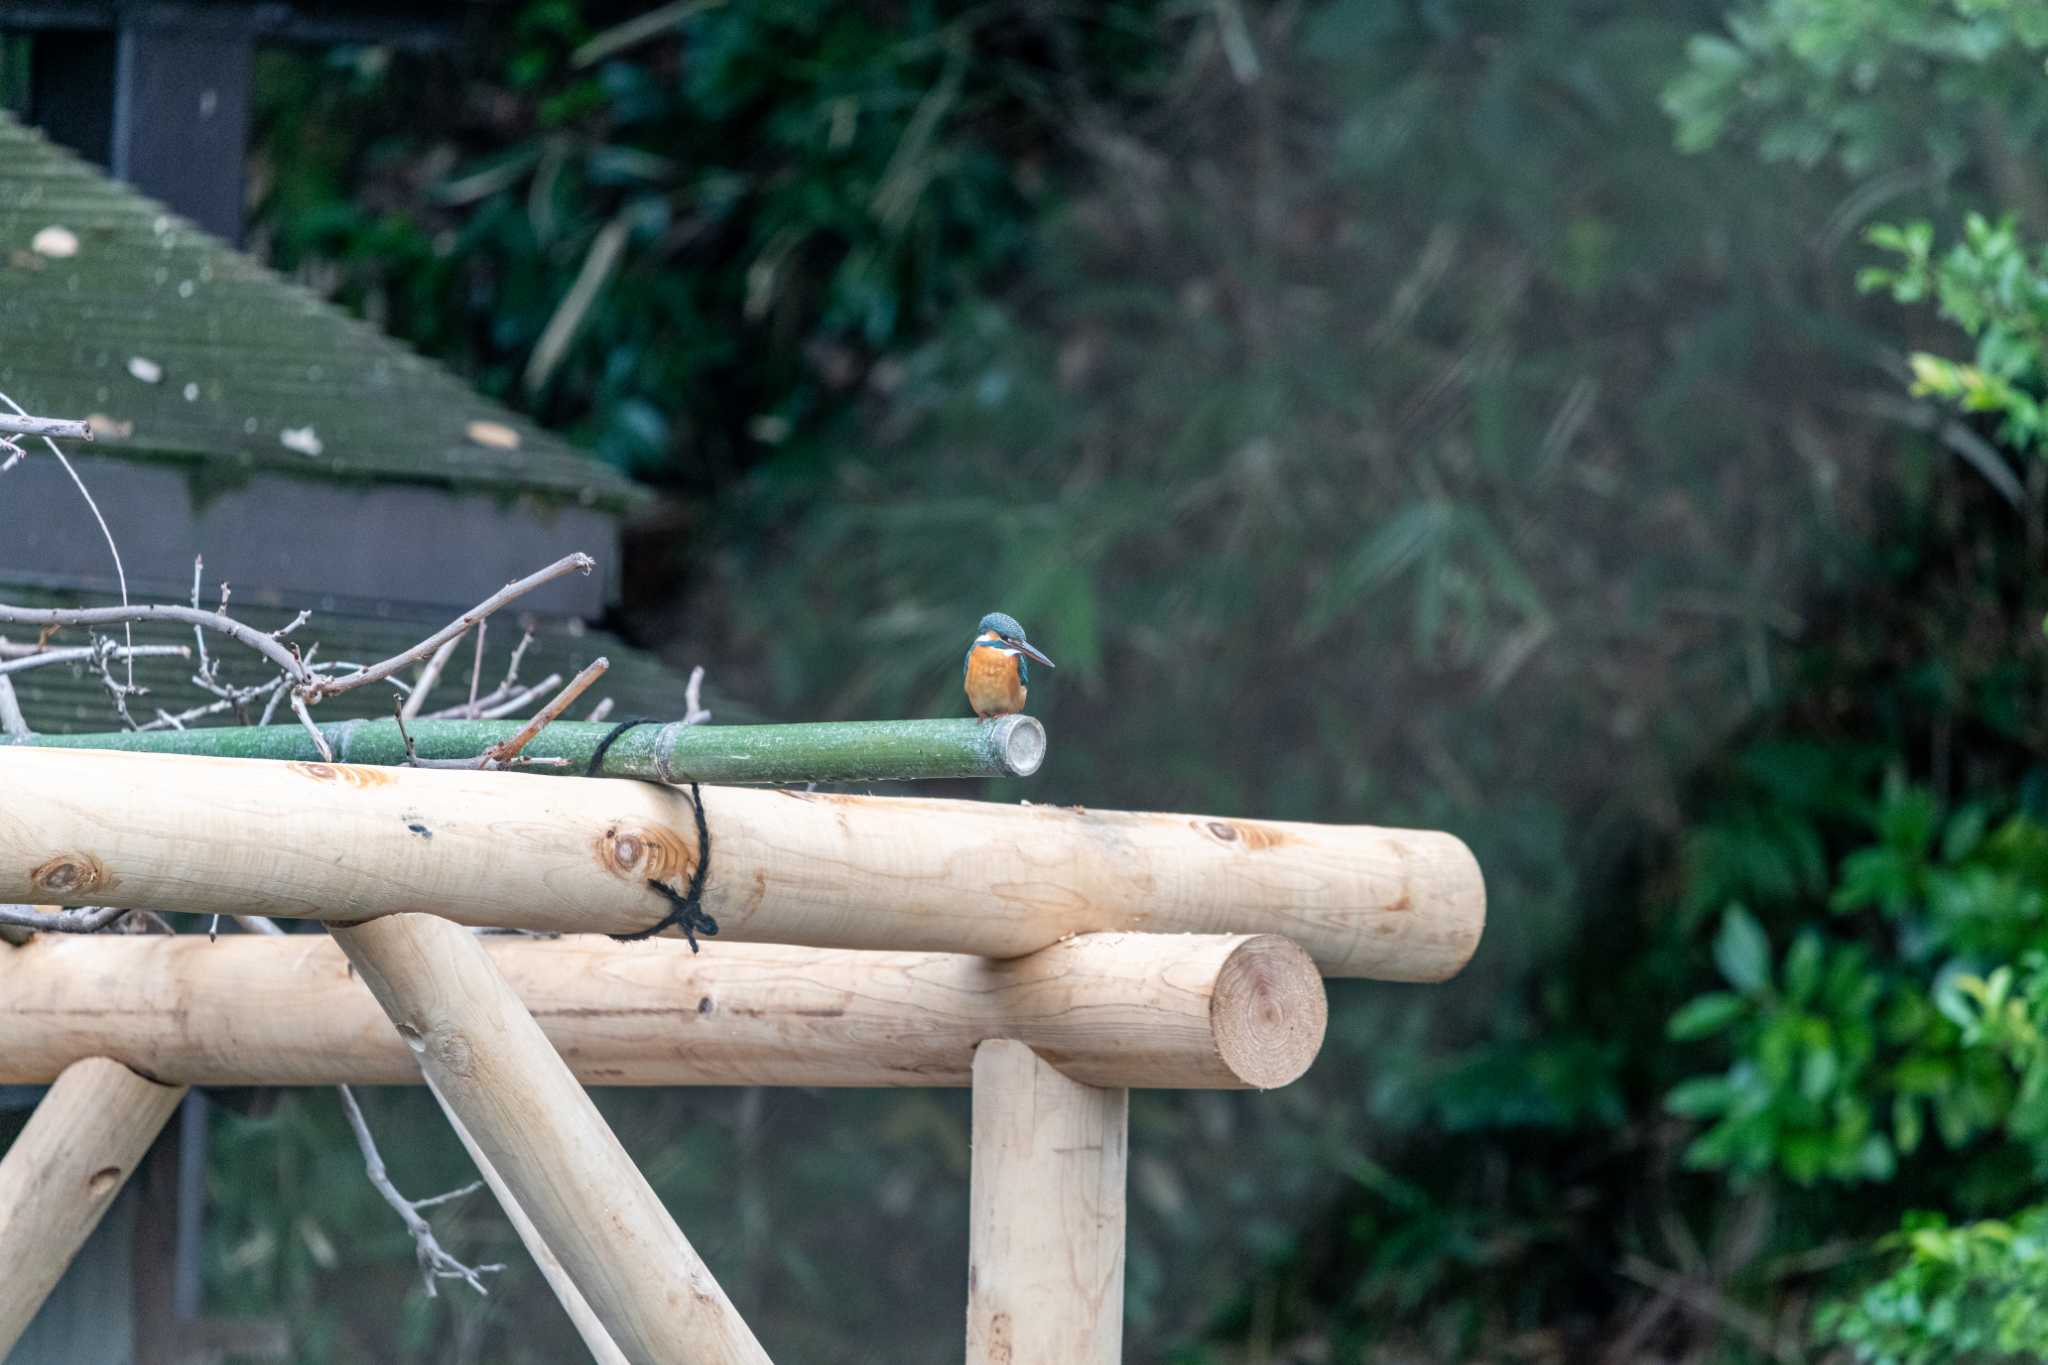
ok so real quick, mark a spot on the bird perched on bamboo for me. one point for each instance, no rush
(996, 674)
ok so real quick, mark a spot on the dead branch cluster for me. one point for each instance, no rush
(298, 679)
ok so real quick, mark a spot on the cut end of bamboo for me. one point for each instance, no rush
(1018, 743)
(1269, 1012)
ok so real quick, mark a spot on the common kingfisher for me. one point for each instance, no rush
(995, 672)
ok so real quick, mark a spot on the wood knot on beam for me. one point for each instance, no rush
(72, 875)
(653, 853)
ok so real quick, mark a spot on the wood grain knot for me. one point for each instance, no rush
(70, 875)
(103, 1182)
(346, 774)
(645, 853)
(1252, 835)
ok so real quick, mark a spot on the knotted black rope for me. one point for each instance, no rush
(597, 755)
(686, 911)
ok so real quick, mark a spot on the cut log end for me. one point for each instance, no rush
(1268, 1012)
(1019, 743)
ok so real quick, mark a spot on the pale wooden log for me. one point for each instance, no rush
(1183, 1011)
(1045, 1252)
(61, 1175)
(335, 842)
(603, 1350)
(490, 1063)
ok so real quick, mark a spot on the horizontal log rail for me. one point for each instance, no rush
(840, 751)
(344, 843)
(1123, 1010)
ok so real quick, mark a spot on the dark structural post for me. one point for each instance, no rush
(157, 91)
(162, 101)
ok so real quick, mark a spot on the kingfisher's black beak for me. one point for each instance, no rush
(1029, 651)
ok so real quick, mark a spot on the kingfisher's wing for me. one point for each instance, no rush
(1023, 672)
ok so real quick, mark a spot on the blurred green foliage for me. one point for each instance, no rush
(683, 261)
(1380, 418)
(1994, 289)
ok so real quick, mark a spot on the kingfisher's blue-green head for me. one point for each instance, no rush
(999, 631)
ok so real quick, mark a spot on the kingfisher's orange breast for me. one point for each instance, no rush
(993, 687)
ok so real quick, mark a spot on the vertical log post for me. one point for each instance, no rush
(1045, 1268)
(62, 1173)
(537, 1129)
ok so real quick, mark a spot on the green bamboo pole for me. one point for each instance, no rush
(843, 751)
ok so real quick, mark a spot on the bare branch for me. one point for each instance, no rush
(120, 574)
(500, 703)
(45, 427)
(509, 749)
(435, 1262)
(575, 563)
(694, 712)
(319, 740)
(601, 710)
(86, 919)
(430, 674)
(92, 654)
(476, 666)
(518, 654)
(257, 640)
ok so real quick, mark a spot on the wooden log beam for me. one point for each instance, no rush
(344, 842)
(537, 1129)
(62, 1172)
(603, 1350)
(1045, 1248)
(839, 751)
(1186, 1011)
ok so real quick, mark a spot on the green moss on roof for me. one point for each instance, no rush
(61, 699)
(203, 356)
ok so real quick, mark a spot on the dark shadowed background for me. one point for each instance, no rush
(1499, 417)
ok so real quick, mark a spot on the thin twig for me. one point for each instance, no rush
(86, 919)
(575, 563)
(476, 667)
(319, 740)
(198, 633)
(1705, 1297)
(257, 640)
(518, 655)
(693, 706)
(499, 703)
(120, 574)
(25, 425)
(430, 673)
(435, 1262)
(80, 654)
(600, 711)
(505, 752)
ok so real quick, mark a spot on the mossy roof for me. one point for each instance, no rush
(111, 306)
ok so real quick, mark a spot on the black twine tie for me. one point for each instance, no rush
(686, 911)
